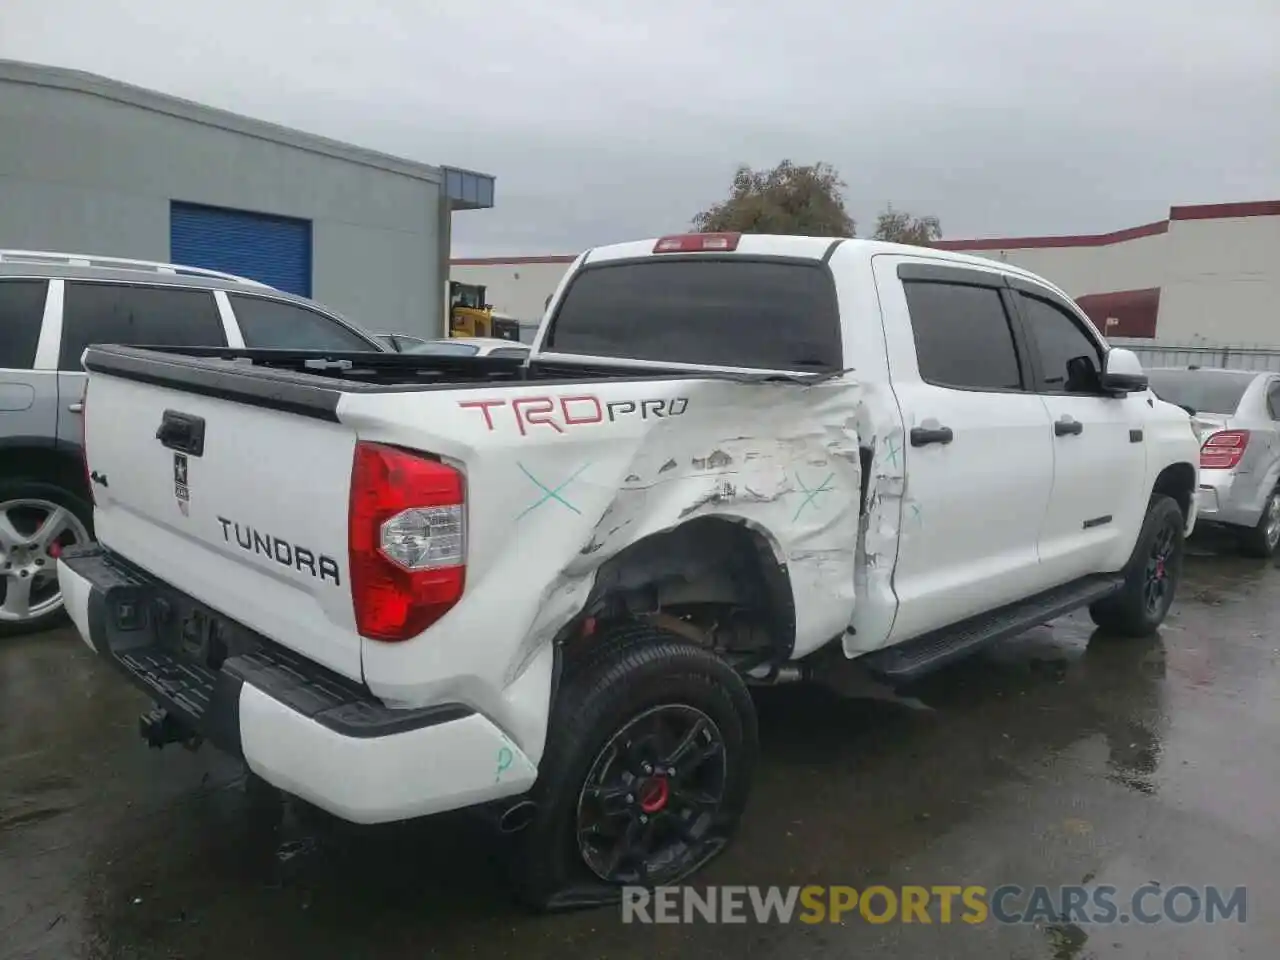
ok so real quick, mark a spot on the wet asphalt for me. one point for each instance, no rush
(1059, 757)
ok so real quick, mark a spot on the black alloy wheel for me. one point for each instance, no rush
(653, 792)
(1158, 585)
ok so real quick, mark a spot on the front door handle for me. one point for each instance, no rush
(1066, 426)
(921, 436)
(76, 407)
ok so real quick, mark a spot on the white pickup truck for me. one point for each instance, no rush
(397, 585)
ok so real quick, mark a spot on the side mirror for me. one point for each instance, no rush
(1082, 375)
(1122, 372)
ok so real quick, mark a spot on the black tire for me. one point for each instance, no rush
(1261, 541)
(637, 677)
(19, 489)
(1141, 605)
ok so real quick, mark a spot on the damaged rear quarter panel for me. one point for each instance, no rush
(780, 457)
(562, 478)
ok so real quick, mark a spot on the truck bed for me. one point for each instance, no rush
(229, 471)
(304, 382)
(309, 382)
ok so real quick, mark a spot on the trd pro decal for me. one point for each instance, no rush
(561, 413)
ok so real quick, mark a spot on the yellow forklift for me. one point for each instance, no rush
(471, 316)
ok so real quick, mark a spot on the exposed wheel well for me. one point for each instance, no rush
(712, 580)
(1178, 480)
(46, 464)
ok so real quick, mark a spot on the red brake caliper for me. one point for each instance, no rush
(654, 794)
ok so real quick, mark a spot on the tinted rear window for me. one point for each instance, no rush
(278, 325)
(134, 314)
(21, 313)
(733, 313)
(1205, 391)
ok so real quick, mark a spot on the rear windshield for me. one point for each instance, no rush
(1204, 391)
(737, 312)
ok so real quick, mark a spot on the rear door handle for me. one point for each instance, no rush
(922, 436)
(76, 407)
(1066, 426)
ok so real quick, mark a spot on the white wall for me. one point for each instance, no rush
(1222, 281)
(1219, 278)
(1127, 265)
(515, 287)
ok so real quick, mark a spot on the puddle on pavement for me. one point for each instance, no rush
(146, 855)
(1067, 940)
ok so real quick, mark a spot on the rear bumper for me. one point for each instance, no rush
(1224, 497)
(299, 726)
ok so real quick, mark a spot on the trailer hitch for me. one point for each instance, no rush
(158, 727)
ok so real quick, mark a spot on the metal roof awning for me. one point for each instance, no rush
(468, 190)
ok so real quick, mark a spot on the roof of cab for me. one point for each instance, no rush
(812, 248)
(751, 244)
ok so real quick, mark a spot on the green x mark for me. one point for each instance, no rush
(549, 493)
(895, 451)
(823, 487)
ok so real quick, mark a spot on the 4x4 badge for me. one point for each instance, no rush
(180, 488)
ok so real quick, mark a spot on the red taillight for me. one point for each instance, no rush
(1223, 449)
(698, 243)
(407, 541)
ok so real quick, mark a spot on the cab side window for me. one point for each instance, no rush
(1273, 400)
(1070, 359)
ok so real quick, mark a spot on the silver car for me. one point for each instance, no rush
(471, 347)
(398, 342)
(53, 305)
(1237, 415)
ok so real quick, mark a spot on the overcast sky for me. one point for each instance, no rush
(605, 119)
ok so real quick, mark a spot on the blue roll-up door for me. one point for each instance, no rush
(273, 250)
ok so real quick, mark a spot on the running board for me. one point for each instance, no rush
(908, 660)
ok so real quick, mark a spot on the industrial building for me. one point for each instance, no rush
(1208, 273)
(90, 165)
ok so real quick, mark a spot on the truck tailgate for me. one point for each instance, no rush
(242, 507)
